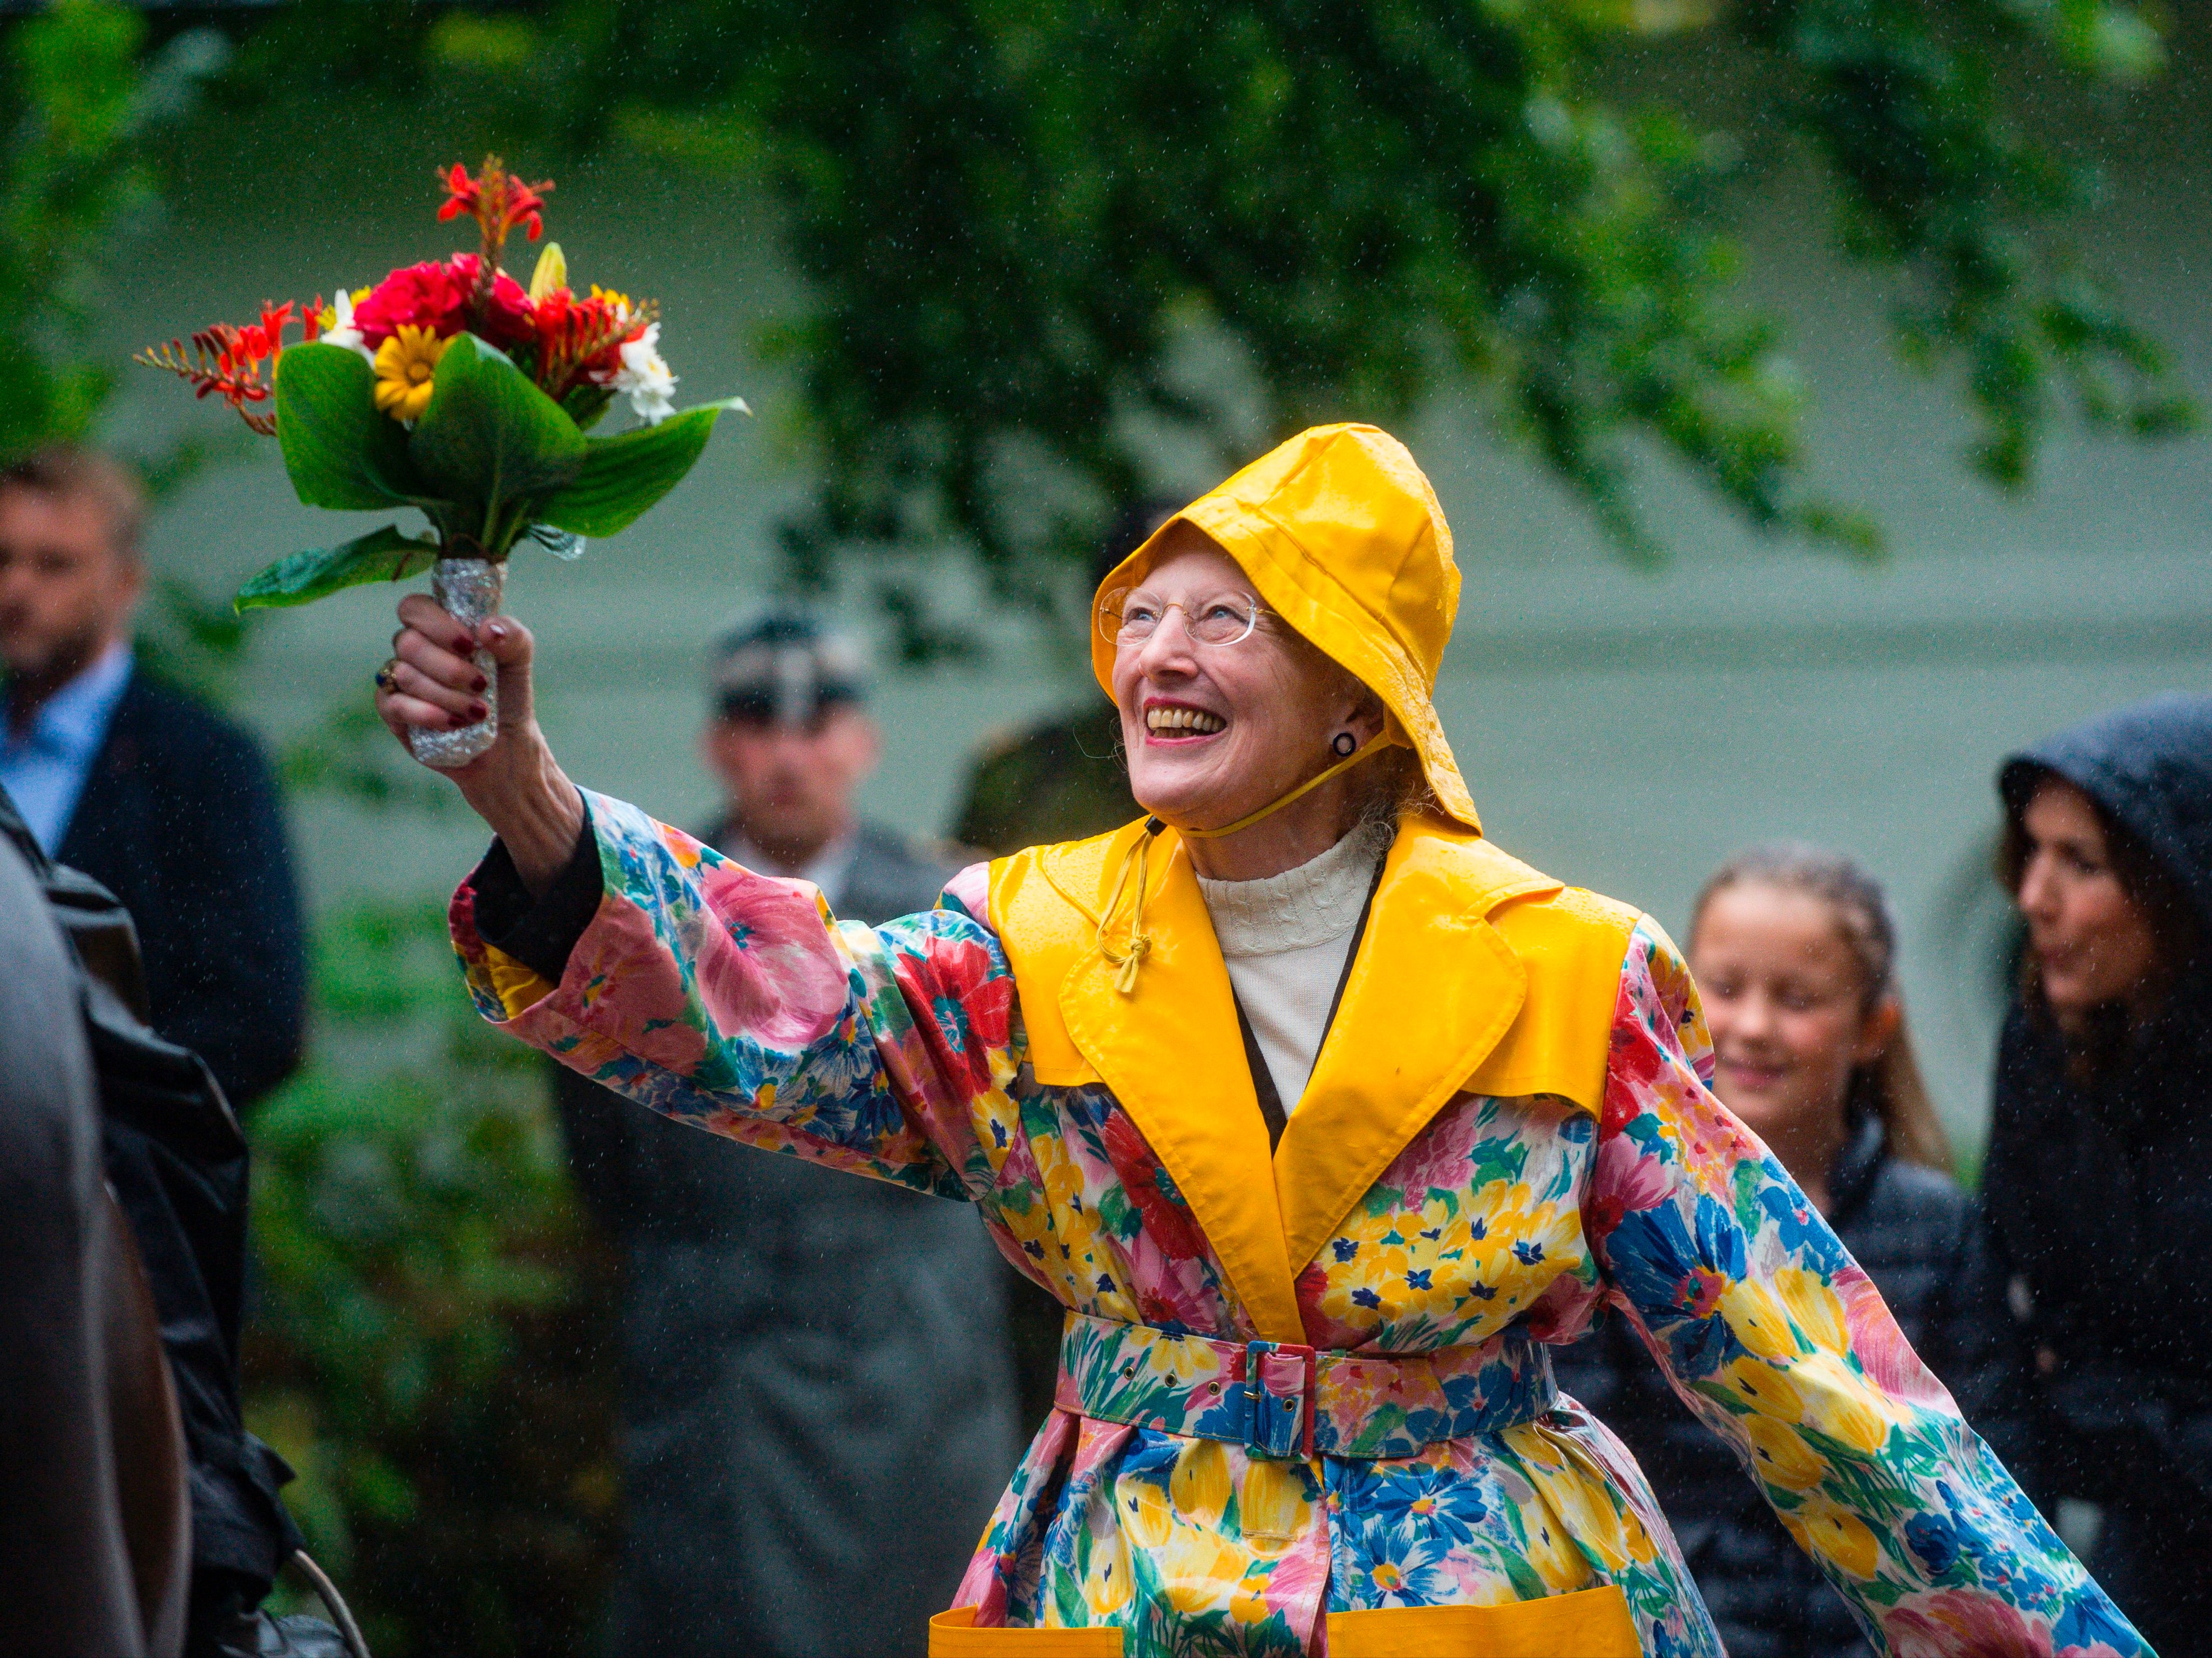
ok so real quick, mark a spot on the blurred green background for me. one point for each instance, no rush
(1809, 386)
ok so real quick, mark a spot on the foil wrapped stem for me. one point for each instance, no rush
(469, 590)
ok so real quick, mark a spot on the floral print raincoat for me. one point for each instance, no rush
(1510, 1124)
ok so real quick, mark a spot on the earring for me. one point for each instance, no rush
(1342, 745)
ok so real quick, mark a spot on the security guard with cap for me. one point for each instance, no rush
(817, 1400)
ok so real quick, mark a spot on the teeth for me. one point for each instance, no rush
(1195, 720)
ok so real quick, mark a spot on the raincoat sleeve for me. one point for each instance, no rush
(1780, 1344)
(737, 1003)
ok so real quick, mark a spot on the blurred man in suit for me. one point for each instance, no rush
(809, 1452)
(168, 806)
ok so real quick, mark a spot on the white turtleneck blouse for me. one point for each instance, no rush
(1284, 938)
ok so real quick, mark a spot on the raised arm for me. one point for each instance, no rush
(1779, 1343)
(726, 999)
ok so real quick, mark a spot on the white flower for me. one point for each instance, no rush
(342, 331)
(644, 378)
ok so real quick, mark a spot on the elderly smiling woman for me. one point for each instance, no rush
(1322, 1114)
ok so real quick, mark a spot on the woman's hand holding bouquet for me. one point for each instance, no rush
(438, 677)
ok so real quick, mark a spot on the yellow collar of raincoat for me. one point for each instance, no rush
(1342, 538)
(1475, 973)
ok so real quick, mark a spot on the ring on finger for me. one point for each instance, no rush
(386, 680)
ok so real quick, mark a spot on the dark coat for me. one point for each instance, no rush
(92, 1454)
(2099, 1197)
(176, 1161)
(810, 1454)
(180, 820)
(1916, 1234)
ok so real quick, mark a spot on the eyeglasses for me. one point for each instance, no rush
(1132, 616)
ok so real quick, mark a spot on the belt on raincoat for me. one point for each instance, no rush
(1279, 1400)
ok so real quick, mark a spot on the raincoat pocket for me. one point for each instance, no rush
(1588, 1623)
(953, 1635)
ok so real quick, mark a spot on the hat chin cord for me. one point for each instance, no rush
(1126, 959)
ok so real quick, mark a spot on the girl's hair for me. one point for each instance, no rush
(1889, 1086)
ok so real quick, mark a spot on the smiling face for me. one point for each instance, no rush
(1214, 733)
(1786, 1002)
(2091, 945)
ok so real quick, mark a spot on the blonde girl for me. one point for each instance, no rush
(1795, 950)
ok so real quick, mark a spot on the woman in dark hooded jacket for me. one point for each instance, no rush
(2098, 1182)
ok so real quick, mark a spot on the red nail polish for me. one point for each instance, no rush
(477, 711)
(482, 684)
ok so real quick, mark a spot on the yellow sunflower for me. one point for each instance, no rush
(404, 364)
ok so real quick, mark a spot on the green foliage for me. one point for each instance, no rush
(425, 1341)
(1935, 179)
(1039, 240)
(340, 450)
(623, 475)
(1067, 207)
(384, 555)
(492, 444)
(77, 107)
(74, 86)
(80, 102)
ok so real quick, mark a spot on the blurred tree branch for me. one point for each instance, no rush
(82, 97)
(80, 101)
(1038, 238)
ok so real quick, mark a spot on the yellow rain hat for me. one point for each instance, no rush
(1341, 535)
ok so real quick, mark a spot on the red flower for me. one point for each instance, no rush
(462, 194)
(506, 320)
(226, 362)
(550, 315)
(1604, 1212)
(1699, 1293)
(581, 340)
(1168, 1220)
(496, 199)
(274, 321)
(426, 295)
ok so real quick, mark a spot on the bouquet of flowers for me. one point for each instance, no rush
(450, 388)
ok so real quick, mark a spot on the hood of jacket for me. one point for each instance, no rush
(2149, 765)
(1340, 534)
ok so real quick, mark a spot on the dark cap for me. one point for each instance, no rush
(785, 663)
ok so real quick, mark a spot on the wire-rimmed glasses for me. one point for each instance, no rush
(1130, 616)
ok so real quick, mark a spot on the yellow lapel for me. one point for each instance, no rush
(1171, 1052)
(1434, 988)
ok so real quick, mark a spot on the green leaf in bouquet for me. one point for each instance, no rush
(623, 475)
(340, 450)
(490, 440)
(384, 555)
(585, 403)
